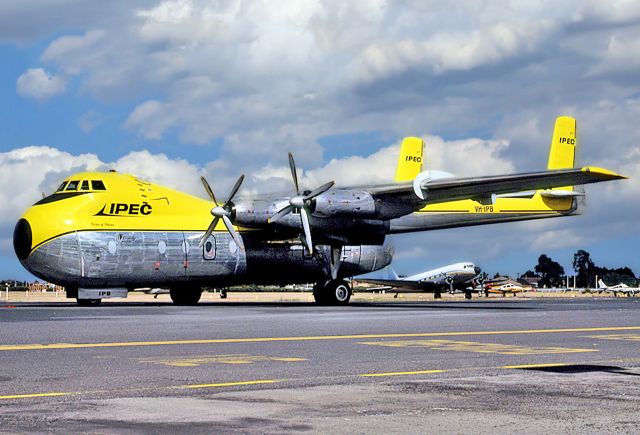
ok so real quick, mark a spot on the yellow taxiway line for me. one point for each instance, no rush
(535, 366)
(419, 372)
(422, 372)
(273, 381)
(31, 395)
(13, 347)
(230, 384)
(170, 387)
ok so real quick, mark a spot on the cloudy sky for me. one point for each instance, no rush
(170, 90)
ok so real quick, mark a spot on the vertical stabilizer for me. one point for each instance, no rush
(390, 273)
(564, 142)
(410, 160)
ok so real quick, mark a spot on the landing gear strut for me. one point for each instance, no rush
(333, 292)
(185, 295)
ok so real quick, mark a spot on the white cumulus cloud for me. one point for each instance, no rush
(37, 83)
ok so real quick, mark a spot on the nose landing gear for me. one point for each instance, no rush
(185, 295)
(88, 302)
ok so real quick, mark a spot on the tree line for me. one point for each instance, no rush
(552, 274)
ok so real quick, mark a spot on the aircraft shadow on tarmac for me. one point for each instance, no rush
(582, 368)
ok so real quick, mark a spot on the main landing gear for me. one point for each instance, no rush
(333, 292)
(185, 295)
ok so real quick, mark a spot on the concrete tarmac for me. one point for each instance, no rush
(509, 365)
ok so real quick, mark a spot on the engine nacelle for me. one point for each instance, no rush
(252, 214)
(345, 203)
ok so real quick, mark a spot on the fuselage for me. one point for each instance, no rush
(114, 230)
(458, 273)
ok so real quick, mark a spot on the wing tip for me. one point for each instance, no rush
(604, 172)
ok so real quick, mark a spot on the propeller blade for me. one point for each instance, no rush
(235, 189)
(304, 216)
(319, 191)
(283, 212)
(294, 173)
(212, 225)
(234, 233)
(208, 189)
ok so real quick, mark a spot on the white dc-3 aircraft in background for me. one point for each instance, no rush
(458, 276)
(102, 234)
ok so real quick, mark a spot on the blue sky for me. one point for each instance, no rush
(174, 89)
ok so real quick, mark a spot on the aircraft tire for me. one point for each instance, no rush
(185, 295)
(467, 295)
(319, 293)
(88, 302)
(437, 295)
(338, 292)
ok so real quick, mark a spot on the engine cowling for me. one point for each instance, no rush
(345, 203)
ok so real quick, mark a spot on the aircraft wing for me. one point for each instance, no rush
(426, 191)
(390, 282)
(415, 285)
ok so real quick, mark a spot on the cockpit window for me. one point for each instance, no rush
(97, 185)
(73, 185)
(61, 188)
(85, 185)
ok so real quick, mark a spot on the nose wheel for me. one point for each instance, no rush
(333, 292)
(88, 302)
(185, 295)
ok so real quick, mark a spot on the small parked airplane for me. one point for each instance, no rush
(505, 289)
(451, 277)
(618, 288)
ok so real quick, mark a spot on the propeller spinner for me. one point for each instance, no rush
(222, 212)
(302, 203)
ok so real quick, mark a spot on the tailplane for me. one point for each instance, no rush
(410, 160)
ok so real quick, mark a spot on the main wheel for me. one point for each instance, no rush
(319, 293)
(88, 302)
(338, 292)
(437, 295)
(185, 295)
(467, 295)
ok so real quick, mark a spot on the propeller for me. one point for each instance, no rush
(222, 212)
(449, 280)
(302, 203)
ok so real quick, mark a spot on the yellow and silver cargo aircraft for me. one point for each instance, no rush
(102, 234)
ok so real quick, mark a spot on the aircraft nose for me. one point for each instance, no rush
(22, 239)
